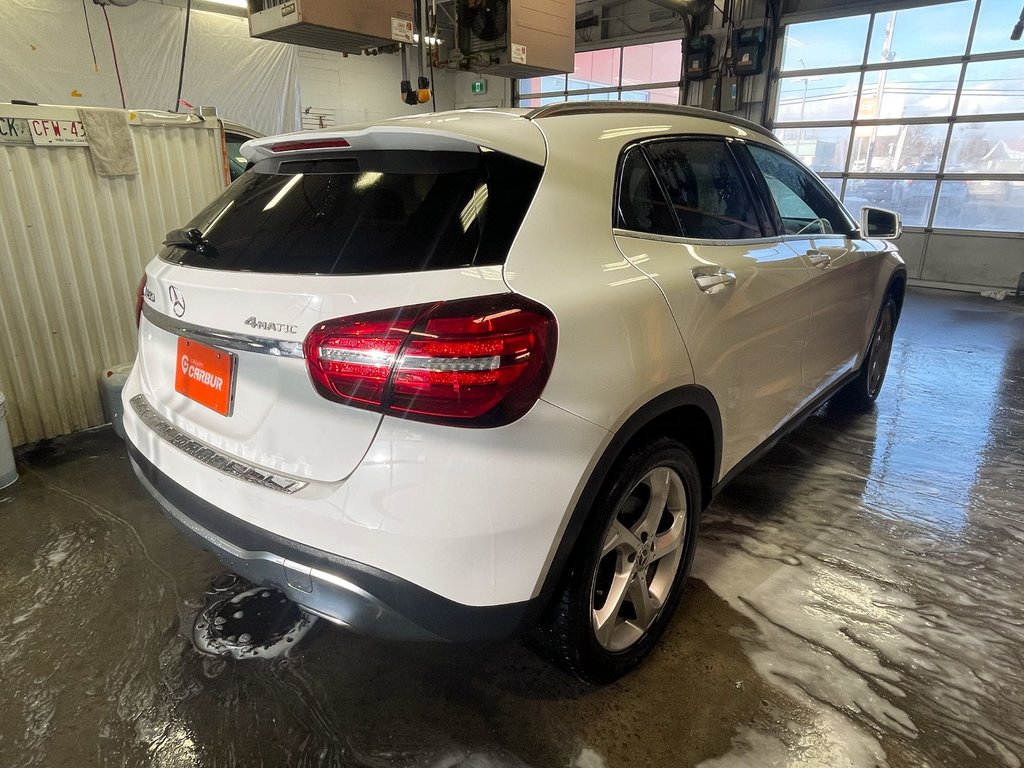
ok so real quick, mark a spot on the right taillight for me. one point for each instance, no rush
(139, 298)
(477, 362)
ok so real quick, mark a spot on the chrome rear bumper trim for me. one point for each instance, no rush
(223, 339)
(211, 457)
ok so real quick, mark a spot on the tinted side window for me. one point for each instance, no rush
(804, 204)
(706, 189)
(641, 205)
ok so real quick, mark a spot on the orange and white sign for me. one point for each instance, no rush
(206, 375)
(402, 30)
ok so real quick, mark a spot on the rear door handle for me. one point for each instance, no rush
(819, 259)
(713, 279)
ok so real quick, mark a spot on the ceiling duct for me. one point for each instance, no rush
(349, 26)
(518, 38)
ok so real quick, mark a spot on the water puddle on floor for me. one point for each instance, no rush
(245, 621)
(878, 558)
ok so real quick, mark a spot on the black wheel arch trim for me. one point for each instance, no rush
(900, 273)
(691, 395)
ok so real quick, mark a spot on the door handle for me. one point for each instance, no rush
(714, 279)
(819, 259)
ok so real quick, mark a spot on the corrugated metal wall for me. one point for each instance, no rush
(72, 249)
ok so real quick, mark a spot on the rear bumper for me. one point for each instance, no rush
(365, 599)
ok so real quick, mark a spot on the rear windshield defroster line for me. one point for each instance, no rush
(367, 213)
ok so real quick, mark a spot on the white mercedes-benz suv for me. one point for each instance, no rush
(471, 374)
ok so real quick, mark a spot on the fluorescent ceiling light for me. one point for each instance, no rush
(232, 3)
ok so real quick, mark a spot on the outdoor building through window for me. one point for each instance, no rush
(919, 110)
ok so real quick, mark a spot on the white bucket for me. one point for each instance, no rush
(8, 472)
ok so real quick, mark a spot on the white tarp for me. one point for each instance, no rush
(47, 59)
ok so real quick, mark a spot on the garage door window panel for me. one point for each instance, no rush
(993, 88)
(817, 97)
(706, 189)
(830, 43)
(820, 149)
(911, 92)
(897, 36)
(804, 204)
(994, 21)
(980, 204)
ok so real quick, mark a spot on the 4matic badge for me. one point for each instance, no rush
(264, 325)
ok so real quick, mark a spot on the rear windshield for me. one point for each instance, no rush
(365, 213)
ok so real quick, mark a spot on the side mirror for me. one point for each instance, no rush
(880, 223)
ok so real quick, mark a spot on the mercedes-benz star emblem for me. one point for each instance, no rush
(177, 301)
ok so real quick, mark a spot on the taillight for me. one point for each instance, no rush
(303, 144)
(139, 298)
(478, 362)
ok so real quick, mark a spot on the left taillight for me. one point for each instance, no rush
(477, 362)
(139, 298)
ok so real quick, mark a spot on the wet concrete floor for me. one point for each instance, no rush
(858, 600)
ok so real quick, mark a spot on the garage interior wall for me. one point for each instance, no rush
(48, 59)
(931, 125)
(73, 245)
(337, 89)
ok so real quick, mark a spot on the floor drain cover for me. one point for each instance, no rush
(255, 623)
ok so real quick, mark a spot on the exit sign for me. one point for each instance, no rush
(480, 86)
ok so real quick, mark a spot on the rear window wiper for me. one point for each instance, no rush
(193, 240)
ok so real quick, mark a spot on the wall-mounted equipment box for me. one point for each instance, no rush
(729, 88)
(518, 38)
(748, 50)
(349, 26)
(699, 52)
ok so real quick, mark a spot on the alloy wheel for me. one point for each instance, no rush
(639, 560)
(881, 349)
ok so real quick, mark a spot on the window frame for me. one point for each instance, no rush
(768, 229)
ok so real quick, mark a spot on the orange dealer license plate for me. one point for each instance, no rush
(206, 375)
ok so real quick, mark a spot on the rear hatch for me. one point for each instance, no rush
(320, 228)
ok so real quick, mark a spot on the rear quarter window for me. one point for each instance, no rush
(686, 187)
(366, 213)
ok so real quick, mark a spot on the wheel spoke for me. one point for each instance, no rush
(606, 619)
(671, 540)
(660, 482)
(620, 537)
(644, 603)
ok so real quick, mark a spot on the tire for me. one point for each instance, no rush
(860, 394)
(621, 588)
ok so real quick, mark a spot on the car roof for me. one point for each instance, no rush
(642, 109)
